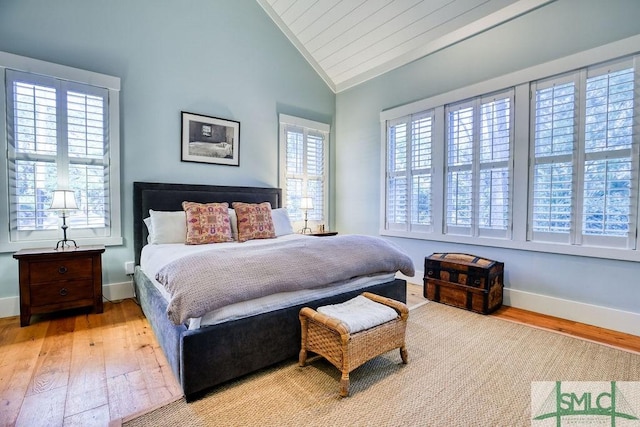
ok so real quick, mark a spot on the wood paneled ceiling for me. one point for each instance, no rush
(350, 41)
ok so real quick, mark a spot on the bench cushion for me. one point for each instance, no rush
(359, 313)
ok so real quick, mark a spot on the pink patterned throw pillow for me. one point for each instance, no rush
(254, 221)
(207, 223)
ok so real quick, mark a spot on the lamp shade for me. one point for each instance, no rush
(63, 200)
(306, 203)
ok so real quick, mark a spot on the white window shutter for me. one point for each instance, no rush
(58, 139)
(304, 166)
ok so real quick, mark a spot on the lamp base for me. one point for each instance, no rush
(305, 228)
(65, 242)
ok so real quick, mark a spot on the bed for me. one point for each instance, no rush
(207, 356)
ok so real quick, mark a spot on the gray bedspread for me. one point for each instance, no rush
(205, 281)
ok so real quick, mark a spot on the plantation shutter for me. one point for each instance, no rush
(585, 158)
(421, 171)
(408, 173)
(397, 180)
(479, 142)
(554, 146)
(304, 166)
(460, 142)
(494, 178)
(294, 171)
(610, 188)
(57, 139)
(315, 173)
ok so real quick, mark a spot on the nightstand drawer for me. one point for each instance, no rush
(61, 292)
(63, 269)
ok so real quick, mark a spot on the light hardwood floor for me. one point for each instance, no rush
(87, 369)
(82, 370)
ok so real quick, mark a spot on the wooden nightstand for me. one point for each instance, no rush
(324, 233)
(52, 280)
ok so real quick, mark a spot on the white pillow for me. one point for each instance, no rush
(281, 222)
(167, 227)
(147, 222)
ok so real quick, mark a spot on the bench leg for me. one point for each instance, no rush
(404, 354)
(302, 358)
(344, 384)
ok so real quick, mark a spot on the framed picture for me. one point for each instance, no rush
(210, 140)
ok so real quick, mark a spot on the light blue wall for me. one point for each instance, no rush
(226, 58)
(559, 29)
(223, 58)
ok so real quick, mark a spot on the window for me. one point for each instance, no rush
(409, 173)
(585, 172)
(61, 134)
(553, 146)
(304, 166)
(544, 159)
(479, 138)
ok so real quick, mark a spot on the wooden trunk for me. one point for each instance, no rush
(464, 281)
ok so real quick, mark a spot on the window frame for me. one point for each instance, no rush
(411, 172)
(113, 232)
(318, 215)
(520, 81)
(477, 165)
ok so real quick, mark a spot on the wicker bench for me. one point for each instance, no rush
(330, 338)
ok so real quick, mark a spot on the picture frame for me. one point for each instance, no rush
(207, 139)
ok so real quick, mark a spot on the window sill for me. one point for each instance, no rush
(618, 254)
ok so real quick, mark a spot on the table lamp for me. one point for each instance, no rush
(64, 201)
(306, 203)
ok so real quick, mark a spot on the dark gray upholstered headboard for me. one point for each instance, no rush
(169, 197)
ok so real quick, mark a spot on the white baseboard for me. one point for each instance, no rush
(113, 292)
(118, 291)
(9, 306)
(604, 317)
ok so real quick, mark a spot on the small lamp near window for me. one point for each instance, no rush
(64, 201)
(306, 204)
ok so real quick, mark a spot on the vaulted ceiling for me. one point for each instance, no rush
(350, 41)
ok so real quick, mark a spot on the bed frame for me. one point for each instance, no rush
(214, 354)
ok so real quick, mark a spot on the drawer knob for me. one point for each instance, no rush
(62, 269)
(64, 292)
(430, 273)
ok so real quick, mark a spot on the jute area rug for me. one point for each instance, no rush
(464, 369)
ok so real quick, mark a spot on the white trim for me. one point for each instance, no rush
(620, 48)
(485, 23)
(284, 121)
(36, 66)
(118, 291)
(553, 248)
(305, 123)
(604, 317)
(10, 306)
(84, 77)
(476, 27)
(589, 314)
(521, 81)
